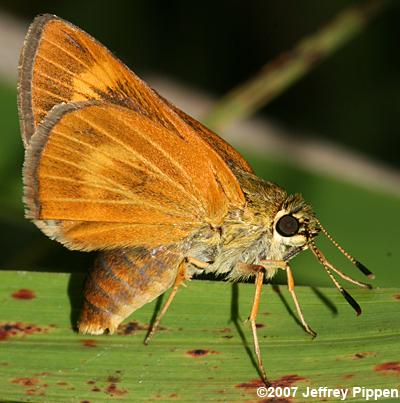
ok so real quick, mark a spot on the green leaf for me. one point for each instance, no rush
(196, 355)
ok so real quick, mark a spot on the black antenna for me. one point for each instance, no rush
(321, 258)
(356, 263)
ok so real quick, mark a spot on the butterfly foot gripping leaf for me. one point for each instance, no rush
(112, 166)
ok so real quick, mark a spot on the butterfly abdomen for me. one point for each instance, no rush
(122, 281)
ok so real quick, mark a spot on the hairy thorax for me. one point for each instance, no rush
(246, 235)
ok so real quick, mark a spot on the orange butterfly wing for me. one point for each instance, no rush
(61, 63)
(102, 176)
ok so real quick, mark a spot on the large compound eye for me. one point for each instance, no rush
(287, 225)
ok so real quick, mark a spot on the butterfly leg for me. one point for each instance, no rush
(182, 275)
(252, 319)
(281, 264)
(290, 281)
(243, 269)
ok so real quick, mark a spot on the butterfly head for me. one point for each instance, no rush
(295, 225)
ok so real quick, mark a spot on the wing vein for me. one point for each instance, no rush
(138, 156)
(98, 150)
(101, 65)
(105, 178)
(68, 53)
(167, 155)
(75, 76)
(61, 83)
(53, 94)
(134, 201)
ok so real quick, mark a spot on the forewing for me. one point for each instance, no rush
(61, 63)
(101, 176)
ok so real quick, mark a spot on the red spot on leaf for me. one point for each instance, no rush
(283, 381)
(19, 329)
(23, 293)
(388, 366)
(113, 390)
(32, 386)
(89, 343)
(27, 382)
(254, 383)
(287, 380)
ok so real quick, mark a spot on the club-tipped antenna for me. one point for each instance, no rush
(356, 263)
(321, 258)
(328, 264)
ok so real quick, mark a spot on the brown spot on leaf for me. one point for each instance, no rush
(89, 343)
(225, 330)
(32, 386)
(114, 391)
(85, 401)
(199, 352)
(348, 376)
(388, 366)
(265, 313)
(286, 380)
(397, 296)
(359, 356)
(113, 379)
(131, 327)
(19, 329)
(259, 325)
(27, 382)
(96, 389)
(23, 293)
(62, 383)
(91, 382)
(35, 392)
(254, 383)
